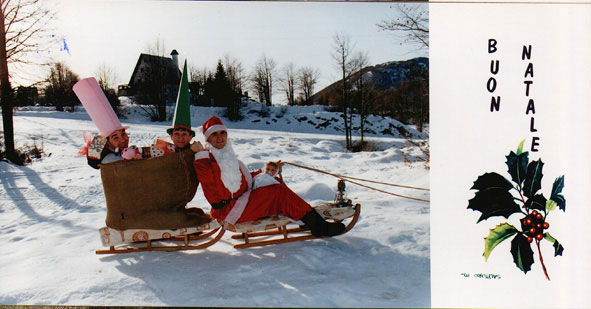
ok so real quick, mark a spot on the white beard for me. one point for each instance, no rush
(228, 162)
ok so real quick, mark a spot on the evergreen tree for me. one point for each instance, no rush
(223, 93)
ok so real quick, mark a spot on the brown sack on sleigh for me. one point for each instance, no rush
(152, 193)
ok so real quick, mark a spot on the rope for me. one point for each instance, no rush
(384, 183)
(347, 178)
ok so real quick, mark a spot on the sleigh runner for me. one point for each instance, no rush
(274, 229)
(261, 232)
(146, 211)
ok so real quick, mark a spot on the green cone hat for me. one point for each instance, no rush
(182, 112)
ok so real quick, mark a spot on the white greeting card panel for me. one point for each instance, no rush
(469, 140)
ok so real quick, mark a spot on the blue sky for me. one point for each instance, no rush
(115, 32)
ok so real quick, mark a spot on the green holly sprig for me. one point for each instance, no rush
(495, 197)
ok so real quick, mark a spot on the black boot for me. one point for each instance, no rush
(319, 227)
(333, 228)
(313, 221)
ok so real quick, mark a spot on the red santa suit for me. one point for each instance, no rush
(241, 203)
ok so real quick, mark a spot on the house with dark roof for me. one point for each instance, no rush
(154, 72)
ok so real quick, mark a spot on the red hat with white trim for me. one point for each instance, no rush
(212, 124)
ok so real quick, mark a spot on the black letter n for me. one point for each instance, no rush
(495, 103)
(526, 53)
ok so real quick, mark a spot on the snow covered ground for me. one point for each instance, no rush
(50, 212)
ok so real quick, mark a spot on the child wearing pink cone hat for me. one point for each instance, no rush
(106, 147)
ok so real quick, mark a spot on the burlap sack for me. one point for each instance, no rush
(152, 193)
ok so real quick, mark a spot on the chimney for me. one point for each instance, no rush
(175, 60)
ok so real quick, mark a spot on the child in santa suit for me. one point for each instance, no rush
(227, 186)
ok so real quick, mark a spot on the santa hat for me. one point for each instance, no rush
(182, 112)
(212, 124)
(97, 106)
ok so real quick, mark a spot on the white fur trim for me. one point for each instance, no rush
(246, 173)
(262, 180)
(203, 154)
(242, 201)
(214, 128)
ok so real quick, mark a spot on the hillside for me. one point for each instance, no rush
(384, 76)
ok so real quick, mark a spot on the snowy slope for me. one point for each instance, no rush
(50, 212)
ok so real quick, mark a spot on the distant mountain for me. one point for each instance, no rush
(385, 76)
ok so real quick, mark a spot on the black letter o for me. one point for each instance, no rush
(491, 85)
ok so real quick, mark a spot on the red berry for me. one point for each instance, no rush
(532, 230)
(539, 236)
(539, 225)
(539, 216)
(529, 239)
(546, 225)
(534, 212)
(528, 222)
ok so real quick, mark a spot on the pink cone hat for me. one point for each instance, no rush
(97, 106)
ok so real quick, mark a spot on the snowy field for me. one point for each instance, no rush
(50, 212)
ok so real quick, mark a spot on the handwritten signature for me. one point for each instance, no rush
(481, 276)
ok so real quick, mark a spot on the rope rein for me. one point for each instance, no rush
(349, 179)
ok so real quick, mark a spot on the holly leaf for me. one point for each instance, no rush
(550, 205)
(491, 180)
(558, 248)
(493, 197)
(533, 178)
(520, 147)
(497, 235)
(556, 194)
(523, 256)
(517, 166)
(537, 202)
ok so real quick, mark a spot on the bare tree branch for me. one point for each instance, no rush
(412, 22)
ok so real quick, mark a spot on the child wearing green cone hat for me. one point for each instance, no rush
(181, 133)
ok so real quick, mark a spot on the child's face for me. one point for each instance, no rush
(119, 139)
(271, 170)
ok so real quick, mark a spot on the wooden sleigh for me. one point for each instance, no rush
(149, 213)
(146, 206)
(275, 229)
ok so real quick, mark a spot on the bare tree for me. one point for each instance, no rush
(59, 91)
(197, 79)
(262, 79)
(306, 79)
(235, 73)
(358, 63)
(106, 77)
(288, 82)
(107, 80)
(22, 23)
(341, 55)
(412, 21)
